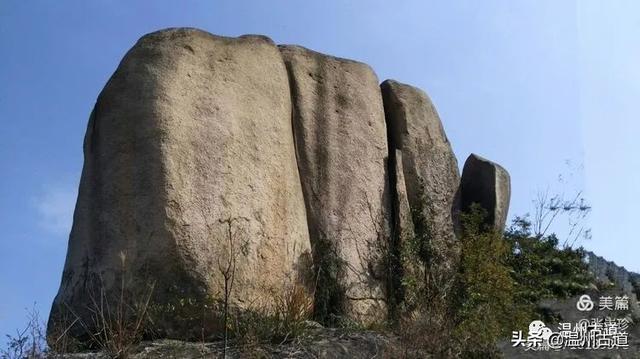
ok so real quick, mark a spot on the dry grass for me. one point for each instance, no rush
(115, 322)
(284, 320)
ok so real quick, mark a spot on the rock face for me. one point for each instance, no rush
(230, 170)
(489, 185)
(430, 170)
(402, 222)
(341, 144)
(402, 232)
(622, 281)
(190, 171)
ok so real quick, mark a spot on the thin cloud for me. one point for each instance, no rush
(55, 208)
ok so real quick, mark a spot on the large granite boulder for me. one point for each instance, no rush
(231, 171)
(430, 172)
(341, 145)
(189, 177)
(487, 184)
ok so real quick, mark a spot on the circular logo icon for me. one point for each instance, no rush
(585, 303)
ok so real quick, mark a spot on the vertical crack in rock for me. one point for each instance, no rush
(402, 230)
(342, 149)
(430, 172)
(394, 268)
(206, 152)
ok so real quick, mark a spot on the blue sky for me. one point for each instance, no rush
(543, 87)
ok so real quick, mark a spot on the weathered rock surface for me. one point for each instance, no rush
(619, 278)
(403, 223)
(189, 170)
(214, 162)
(429, 166)
(402, 230)
(489, 185)
(341, 148)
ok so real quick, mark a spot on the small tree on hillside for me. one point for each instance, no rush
(541, 267)
(485, 307)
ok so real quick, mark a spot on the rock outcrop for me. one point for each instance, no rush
(618, 279)
(341, 144)
(430, 170)
(487, 184)
(230, 171)
(190, 171)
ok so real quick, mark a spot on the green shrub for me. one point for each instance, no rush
(540, 268)
(486, 308)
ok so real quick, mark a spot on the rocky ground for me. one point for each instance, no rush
(332, 343)
(322, 343)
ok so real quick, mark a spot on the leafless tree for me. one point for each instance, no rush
(234, 245)
(29, 342)
(548, 209)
